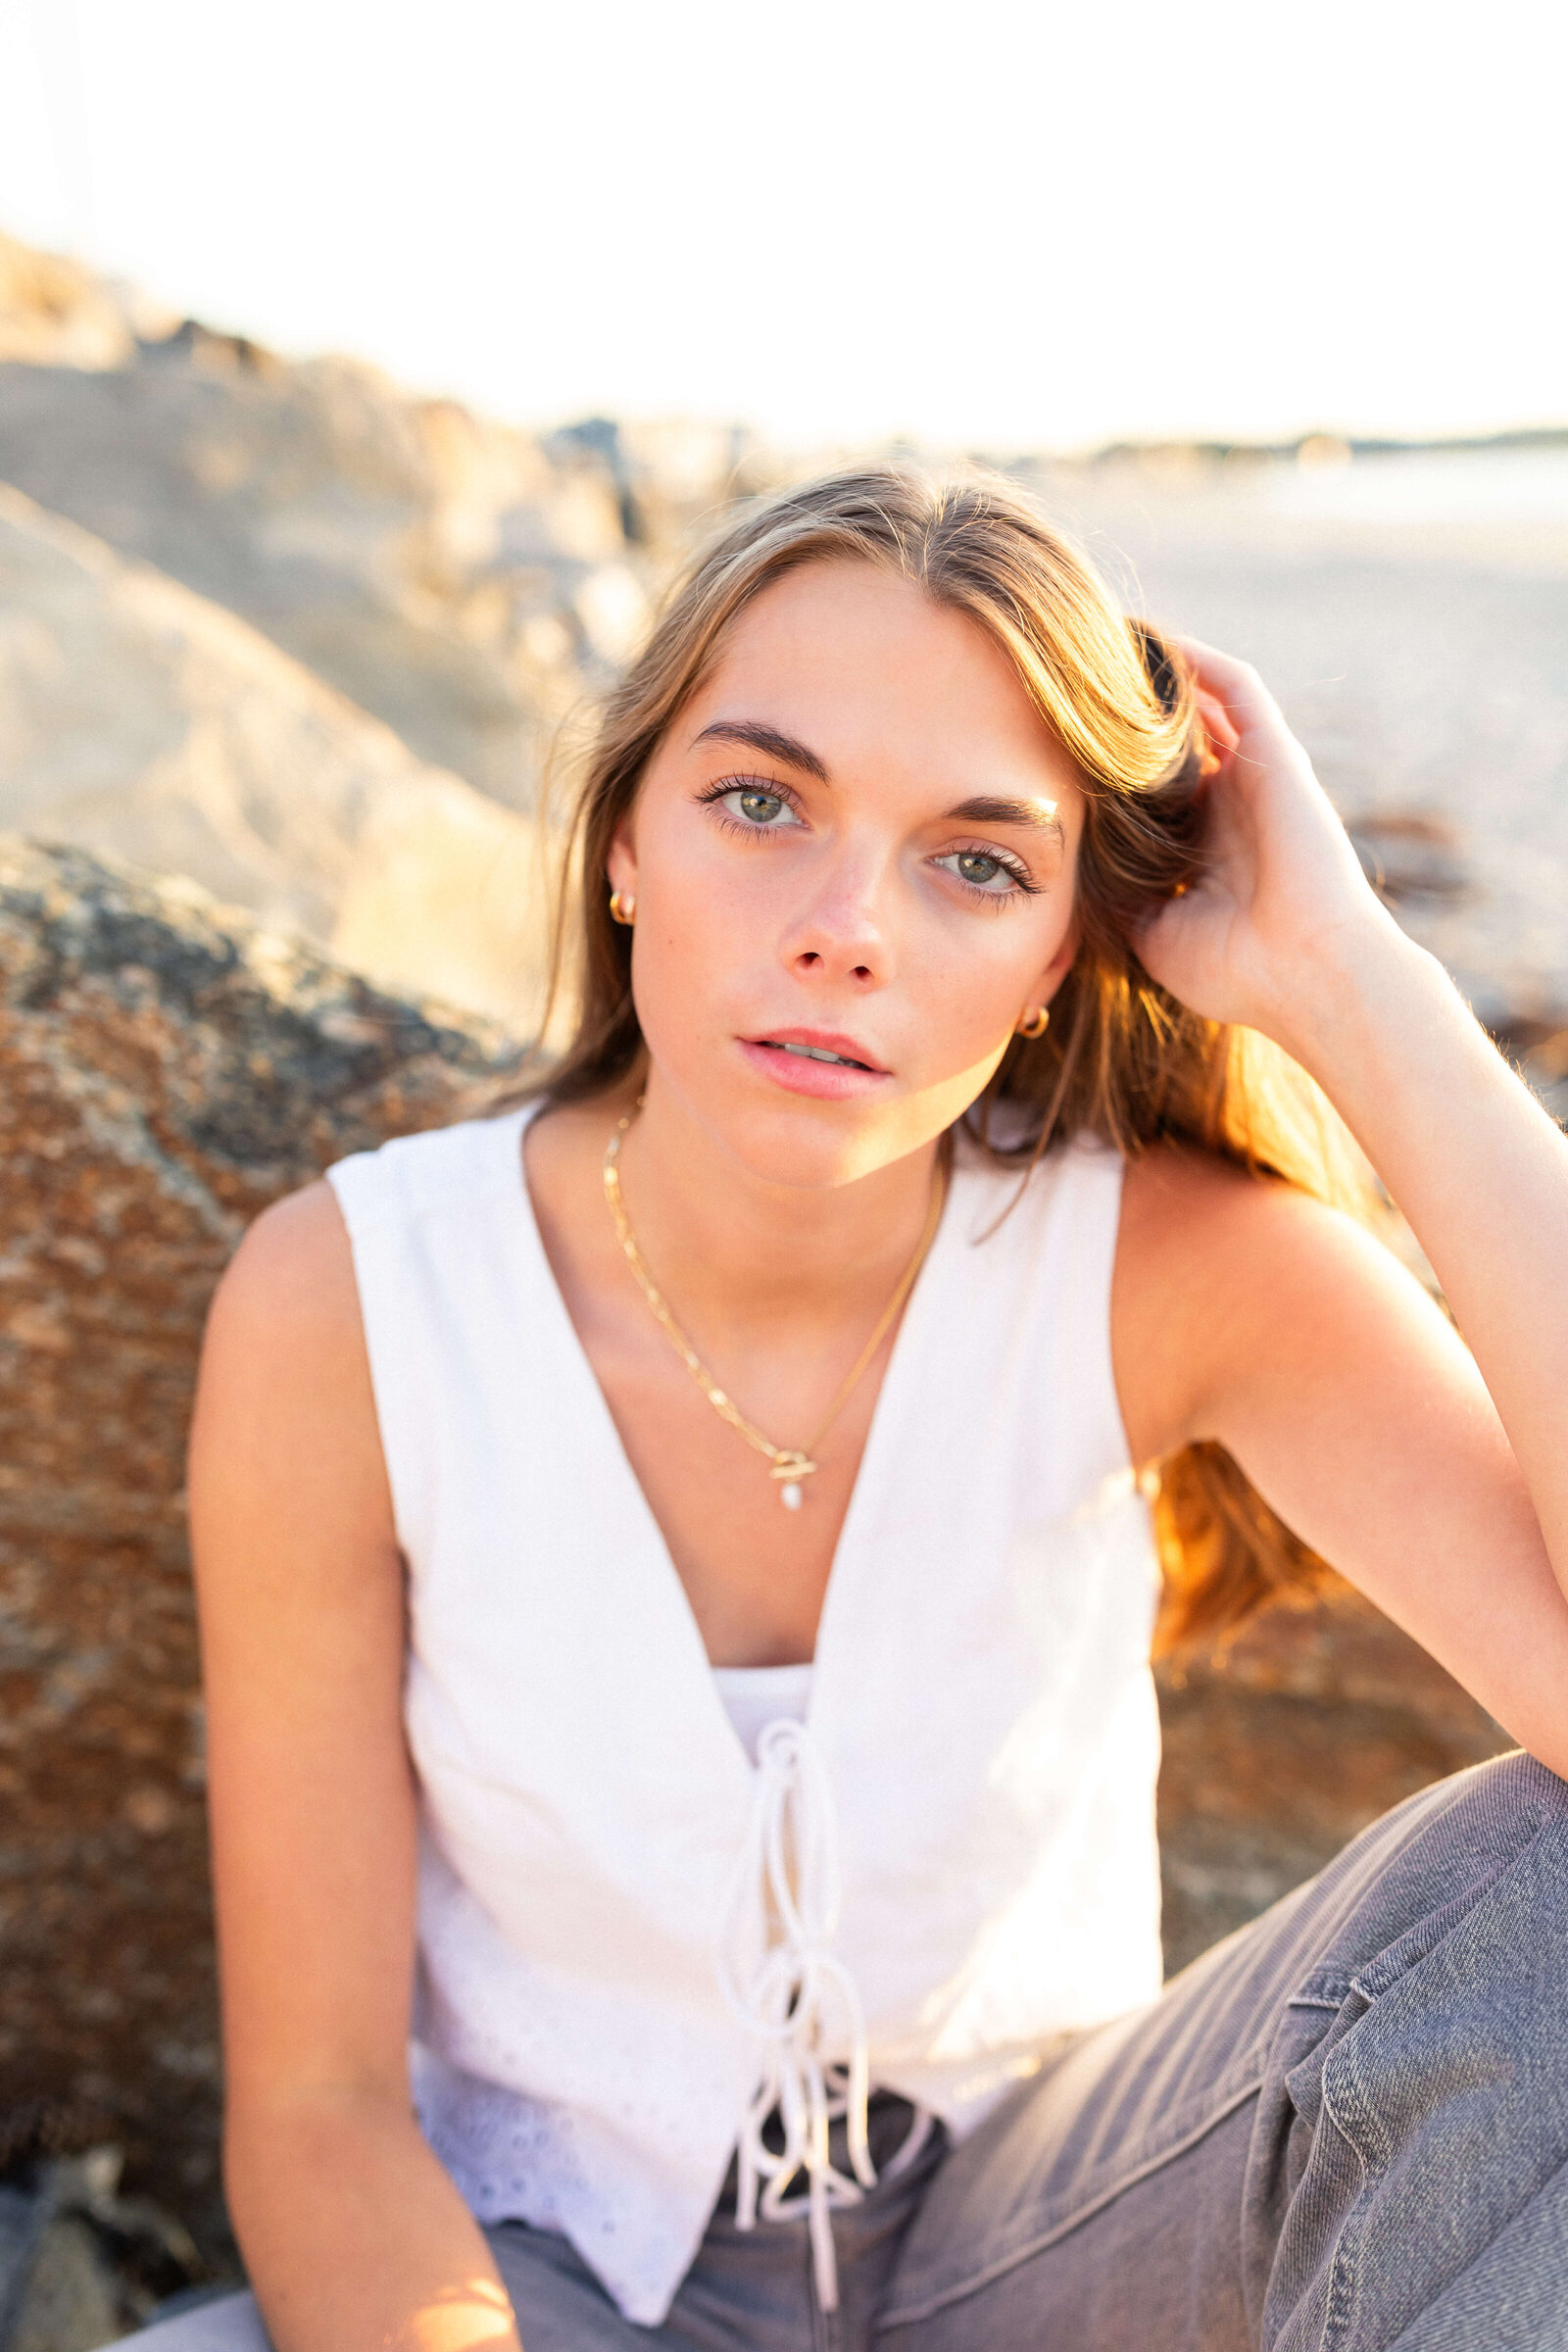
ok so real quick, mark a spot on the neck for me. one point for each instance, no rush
(731, 1250)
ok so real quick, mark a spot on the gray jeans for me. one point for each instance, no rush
(1346, 2128)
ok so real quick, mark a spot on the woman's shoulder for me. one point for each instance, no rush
(1194, 1224)
(288, 1300)
(1183, 1202)
(1215, 1263)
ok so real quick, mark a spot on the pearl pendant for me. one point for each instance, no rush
(792, 1495)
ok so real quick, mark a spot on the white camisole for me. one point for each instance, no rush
(753, 1696)
(645, 1922)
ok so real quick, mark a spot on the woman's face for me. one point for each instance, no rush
(857, 838)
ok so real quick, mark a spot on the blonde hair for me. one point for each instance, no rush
(1121, 1059)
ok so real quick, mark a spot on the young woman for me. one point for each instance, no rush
(677, 1567)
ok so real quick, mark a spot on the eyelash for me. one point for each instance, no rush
(722, 790)
(1010, 865)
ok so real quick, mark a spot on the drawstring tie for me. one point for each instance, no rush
(798, 2000)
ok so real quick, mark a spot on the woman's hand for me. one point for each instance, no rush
(1282, 915)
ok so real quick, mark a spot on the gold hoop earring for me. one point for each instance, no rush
(1034, 1022)
(623, 906)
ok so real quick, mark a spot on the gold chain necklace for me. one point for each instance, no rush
(791, 1464)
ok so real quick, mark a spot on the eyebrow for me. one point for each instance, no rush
(985, 809)
(772, 742)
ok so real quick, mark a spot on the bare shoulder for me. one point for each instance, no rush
(285, 1326)
(1211, 1264)
(285, 1409)
(293, 1268)
(1186, 1212)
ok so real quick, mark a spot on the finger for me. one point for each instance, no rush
(1217, 730)
(1235, 684)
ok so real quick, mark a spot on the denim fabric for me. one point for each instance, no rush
(1346, 2128)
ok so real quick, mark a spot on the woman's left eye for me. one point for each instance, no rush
(983, 871)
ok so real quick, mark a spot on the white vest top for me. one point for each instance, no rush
(633, 1941)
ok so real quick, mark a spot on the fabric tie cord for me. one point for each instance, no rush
(798, 2000)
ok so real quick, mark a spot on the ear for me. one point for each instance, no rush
(620, 867)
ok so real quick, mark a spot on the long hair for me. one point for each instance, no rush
(1121, 1058)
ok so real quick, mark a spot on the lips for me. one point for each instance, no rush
(824, 1046)
(814, 1062)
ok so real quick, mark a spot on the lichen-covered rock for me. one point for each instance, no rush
(164, 1072)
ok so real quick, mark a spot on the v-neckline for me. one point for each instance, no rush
(868, 1470)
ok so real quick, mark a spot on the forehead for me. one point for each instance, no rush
(870, 673)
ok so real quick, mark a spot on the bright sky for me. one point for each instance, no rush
(973, 222)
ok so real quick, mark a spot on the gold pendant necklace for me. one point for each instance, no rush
(791, 1466)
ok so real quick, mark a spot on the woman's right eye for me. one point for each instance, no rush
(763, 811)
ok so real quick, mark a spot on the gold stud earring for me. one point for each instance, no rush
(623, 906)
(1034, 1022)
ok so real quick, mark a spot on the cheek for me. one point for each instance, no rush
(696, 941)
(974, 976)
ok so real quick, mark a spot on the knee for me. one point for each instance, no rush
(1488, 1844)
(1482, 1821)
(1512, 1785)
(1478, 1862)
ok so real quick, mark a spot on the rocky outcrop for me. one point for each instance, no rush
(164, 1073)
(139, 720)
(460, 580)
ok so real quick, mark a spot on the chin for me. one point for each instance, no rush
(816, 1145)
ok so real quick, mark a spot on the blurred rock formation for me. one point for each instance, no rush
(55, 312)
(139, 720)
(463, 582)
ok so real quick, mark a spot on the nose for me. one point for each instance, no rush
(840, 933)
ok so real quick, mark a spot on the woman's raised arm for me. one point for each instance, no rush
(353, 2234)
(1284, 934)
